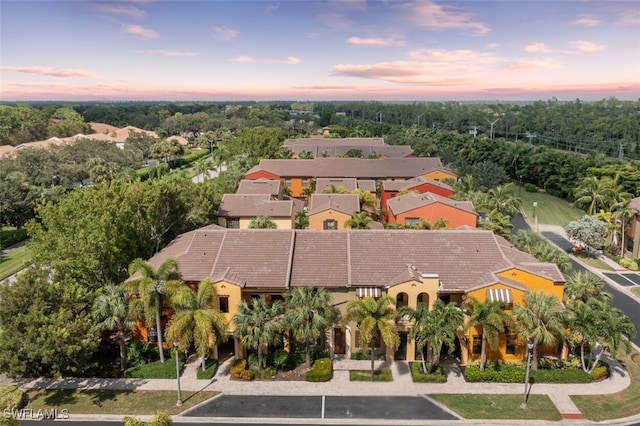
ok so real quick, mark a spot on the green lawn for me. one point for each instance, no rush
(550, 210)
(636, 291)
(383, 375)
(618, 405)
(77, 401)
(499, 406)
(14, 261)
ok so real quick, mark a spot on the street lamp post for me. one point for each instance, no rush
(526, 379)
(175, 345)
(535, 217)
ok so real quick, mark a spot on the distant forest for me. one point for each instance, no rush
(608, 127)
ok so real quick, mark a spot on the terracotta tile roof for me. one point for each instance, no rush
(256, 258)
(399, 185)
(412, 201)
(103, 128)
(243, 205)
(385, 168)
(319, 151)
(260, 186)
(325, 142)
(635, 204)
(343, 203)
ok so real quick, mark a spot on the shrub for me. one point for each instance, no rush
(238, 366)
(247, 375)
(160, 419)
(281, 359)
(12, 398)
(437, 376)
(495, 372)
(267, 373)
(322, 371)
(210, 369)
(529, 187)
(549, 371)
(366, 356)
(601, 371)
(632, 265)
(131, 421)
(252, 359)
(317, 353)
(8, 421)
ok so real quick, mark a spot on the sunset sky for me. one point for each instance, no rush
(319, 50)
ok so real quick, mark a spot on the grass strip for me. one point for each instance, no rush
(550, 210)
(499, 406)
(14, 261)
(383, 375)
(617, 405)
(105, 401)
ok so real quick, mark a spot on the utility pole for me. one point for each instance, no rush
(492, 123)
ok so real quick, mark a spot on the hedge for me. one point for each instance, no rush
(556, 372)
(322, 371)
(437, 376)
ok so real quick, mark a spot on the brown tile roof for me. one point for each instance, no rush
(260, 186)
(384, 168)
(256, 258)
(399, 185)
(326, 142)
(103, 128)
(412, 201)
(243, 205)
(343, 203)
(635, 204)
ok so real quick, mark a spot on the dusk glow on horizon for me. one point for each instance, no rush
(159, 50)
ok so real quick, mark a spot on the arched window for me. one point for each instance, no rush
(402, 299)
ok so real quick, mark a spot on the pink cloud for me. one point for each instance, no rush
(224, 33)
(169, 53)
(536, 47)
(533, 65)
(127, 10)
(629, 18)
(139, 31)
(62, 72)
(403, 72)
(292, 60)
(456, 56)
(242, 59)
(586, 46)
(375, 42)
(587, 21)
(440, 17)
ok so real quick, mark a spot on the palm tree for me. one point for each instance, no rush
(332, 189)
(373, 315)
(622, 214)
(358, 221)
(148, 290)
(308, 315)
(305, 155)
(582, 286)
(489, 315)
(593, 193)
(438, 327)
(257, 324)
(262, 222)
(545, 252)
(499, 224)
(196, 320)
(540, 319)
(502, 199)
(365, 198)
(111, 309)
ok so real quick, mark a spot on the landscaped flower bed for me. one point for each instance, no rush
(548, 372)
(438, 374)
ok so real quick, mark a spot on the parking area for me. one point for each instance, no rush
(318, 407)
(626, 279)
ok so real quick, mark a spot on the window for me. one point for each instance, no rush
(477, 345)
(412, 221)
(402, 300)
(224, 304)
(630, 245)
(305, 183)
(330, 224)
(233, 223)
(287, 182)
(511, 344)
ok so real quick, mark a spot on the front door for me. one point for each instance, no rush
(339, 341)
(401, 353)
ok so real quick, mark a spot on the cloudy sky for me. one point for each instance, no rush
(319, 50)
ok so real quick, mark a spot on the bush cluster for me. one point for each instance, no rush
(529, 187)
(322, 371)
(549, 371)
(238, 366)
(12, 398)
(630, 264)
(437, 376)
(366, 356)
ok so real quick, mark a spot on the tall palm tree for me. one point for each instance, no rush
(592, 194)
(111, 309)
(148, 292)
(262, 222)
(491, 316)
(365, 198)
(622, 215)
(196, 320)
(503, 199)
(358, 221)
(438, 327)
(257, 324)
(582, 286)
(308, 315)
(374, 315)
(548, 253)
(540, 319)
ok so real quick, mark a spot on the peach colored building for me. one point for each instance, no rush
(408, 209)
